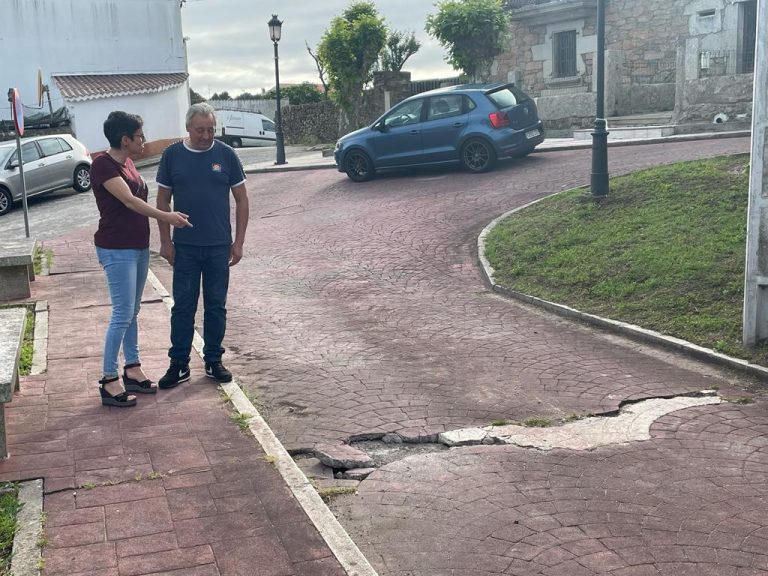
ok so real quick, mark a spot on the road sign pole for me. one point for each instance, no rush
(18, 122)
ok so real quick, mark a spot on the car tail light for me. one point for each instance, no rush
(498, 119)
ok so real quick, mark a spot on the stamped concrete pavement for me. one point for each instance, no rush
(359, 310)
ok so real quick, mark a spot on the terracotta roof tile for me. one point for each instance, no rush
(92, 86)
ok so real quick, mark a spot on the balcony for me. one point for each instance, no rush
(537, 12)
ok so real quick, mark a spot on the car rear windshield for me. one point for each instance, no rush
(507, 96)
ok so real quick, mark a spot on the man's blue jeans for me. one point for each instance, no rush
(126, 271)
(191, 264)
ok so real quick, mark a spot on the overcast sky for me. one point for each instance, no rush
(229, 46)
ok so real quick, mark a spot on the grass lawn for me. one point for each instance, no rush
(665, 250)
(9, 506)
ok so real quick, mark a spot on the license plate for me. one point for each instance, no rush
(532, 133)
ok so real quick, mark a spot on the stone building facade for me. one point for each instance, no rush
(654, 48)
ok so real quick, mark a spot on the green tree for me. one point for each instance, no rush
(349, 51)
(472, 31)
(247, 96)
(304, 93)
(400, 46)
(194, 97)
(223, 96)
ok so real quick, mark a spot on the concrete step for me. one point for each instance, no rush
(650, 119)
(628, 132)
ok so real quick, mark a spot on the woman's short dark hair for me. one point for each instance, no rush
(119, 124)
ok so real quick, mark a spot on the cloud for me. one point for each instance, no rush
(229, 46)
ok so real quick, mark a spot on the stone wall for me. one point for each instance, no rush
(703, 98)
(311, 123)
(561, 115)
(389, 88)
(644, 98)
(319, 123)
(645, 32)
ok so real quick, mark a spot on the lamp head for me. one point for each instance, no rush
(275, 26)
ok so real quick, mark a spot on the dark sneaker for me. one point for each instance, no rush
(217, 371)
(176, 374)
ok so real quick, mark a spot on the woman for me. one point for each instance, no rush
(122, 246)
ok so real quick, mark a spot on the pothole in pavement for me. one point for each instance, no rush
(337, 469)
(383, 453)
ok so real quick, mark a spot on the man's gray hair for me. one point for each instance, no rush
(200, 109)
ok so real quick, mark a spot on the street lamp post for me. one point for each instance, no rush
(275, 28)
(600, 135)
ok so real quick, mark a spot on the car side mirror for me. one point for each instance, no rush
(13, 165)
(380, 126)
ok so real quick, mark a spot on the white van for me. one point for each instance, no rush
(238, 128)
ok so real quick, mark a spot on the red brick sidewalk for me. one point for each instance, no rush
(171, 486)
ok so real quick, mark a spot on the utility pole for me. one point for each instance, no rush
(755, 322)
(600, 135)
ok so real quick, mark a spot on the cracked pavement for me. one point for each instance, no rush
(360, 310)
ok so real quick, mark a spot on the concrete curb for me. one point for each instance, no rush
(26, 555)
(623, 328)
(337, 539)
(254, 169)
(40, 339)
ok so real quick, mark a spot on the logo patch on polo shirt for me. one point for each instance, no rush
(216, 167)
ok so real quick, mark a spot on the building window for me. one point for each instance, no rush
(705, 21)
(748, 36)
(565, 54)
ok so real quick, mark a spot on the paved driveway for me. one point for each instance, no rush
(360, 310)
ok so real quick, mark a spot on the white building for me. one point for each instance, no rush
(97, 56)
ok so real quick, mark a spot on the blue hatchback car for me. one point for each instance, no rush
(473, 124)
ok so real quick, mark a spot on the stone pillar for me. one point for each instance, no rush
(679, 82)
(389, 87)
(756, 274)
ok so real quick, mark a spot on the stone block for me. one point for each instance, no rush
(16, 269)
(342, 456)
(12, 322)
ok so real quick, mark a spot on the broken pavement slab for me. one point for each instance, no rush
(632, 424)
(358, 474)
(342, 456)
(464, 437)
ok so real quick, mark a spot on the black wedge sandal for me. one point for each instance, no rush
(122, 400)
(132, 385)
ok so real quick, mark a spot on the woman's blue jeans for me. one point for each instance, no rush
(191, 264)
(126, 270)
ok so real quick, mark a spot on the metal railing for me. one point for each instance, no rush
(725, 62)
(656, 71)
(515, 4)
(419, 86)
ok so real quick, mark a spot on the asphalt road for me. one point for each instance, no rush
(53, 215)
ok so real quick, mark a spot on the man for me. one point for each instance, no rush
(199, 174)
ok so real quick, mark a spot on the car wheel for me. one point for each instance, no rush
(82, 178)
(235, 142)
(358, 166)
(477, 155)
(6, 202)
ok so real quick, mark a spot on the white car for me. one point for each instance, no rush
(51, 162)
